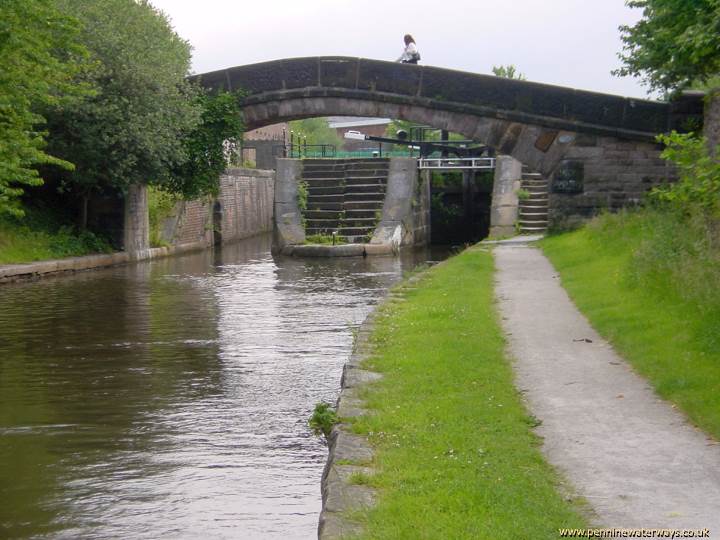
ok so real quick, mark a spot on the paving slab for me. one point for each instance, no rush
(634, 457)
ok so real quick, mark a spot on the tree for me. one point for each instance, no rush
(205, 146)
(316, 131)
(674, 45)
(40, 58)
(508, 72)
(132, 130)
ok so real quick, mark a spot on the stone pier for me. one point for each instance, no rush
(504, 209)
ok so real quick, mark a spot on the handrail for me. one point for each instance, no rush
(456, 163)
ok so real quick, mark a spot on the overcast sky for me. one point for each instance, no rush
(566, 42)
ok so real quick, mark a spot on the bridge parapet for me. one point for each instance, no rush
(597, 151)
(449, 90)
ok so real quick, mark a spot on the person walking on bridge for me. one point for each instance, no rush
(410, 55)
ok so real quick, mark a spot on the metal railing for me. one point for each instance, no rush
(305, 150)
(454, 164)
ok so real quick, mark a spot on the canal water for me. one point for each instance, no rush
(170, 399)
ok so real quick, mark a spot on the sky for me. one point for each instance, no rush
(571, 43)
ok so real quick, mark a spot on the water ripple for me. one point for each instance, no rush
(170, 399)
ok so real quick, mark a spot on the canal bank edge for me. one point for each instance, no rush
(30, 271)
(242, 209)
(350, 454)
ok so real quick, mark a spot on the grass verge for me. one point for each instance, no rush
(649, 282)
(455, 454)
(38, 237)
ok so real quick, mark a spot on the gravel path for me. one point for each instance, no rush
(636, 460)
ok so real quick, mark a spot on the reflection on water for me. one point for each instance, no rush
(170, 399)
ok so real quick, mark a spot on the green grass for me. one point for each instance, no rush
(38, 237)
(455, 455)
(324, 239)
(649, 282)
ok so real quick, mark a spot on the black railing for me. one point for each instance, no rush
(305, 150)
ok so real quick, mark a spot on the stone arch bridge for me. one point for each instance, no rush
(597, 150)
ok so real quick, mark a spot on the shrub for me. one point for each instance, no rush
(698, 188)
(323, 419)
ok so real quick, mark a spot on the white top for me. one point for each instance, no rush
(408, 53)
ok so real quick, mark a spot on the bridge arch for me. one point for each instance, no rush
(606, 142)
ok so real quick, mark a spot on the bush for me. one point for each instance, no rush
(323, 419)
(161, 205)
(698, 188)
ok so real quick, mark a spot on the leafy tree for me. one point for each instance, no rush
(205, 146)
(508, 72)
(674, 45)
(698, 188)
(40, 57)
(394, 126)
(132, 130)
(316, 131)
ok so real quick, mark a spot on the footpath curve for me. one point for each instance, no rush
(635, 459)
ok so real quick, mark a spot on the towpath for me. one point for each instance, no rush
(631, 455)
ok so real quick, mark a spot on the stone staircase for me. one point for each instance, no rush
(533, 211)
(344, 195)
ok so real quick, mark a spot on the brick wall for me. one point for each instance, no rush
(194, 223)
(245, 209)
(246, 202)
(268, 133)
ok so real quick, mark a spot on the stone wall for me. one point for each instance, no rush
(604, 173)
(443, 90)
(421, 205)
(504, 209)
(243, 208)
(405, 219)
(264, 153)
(136, 231)
(287, 227)
(597, 150)
(403, 214)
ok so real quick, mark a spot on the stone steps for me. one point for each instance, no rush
(533, 218)
(320, 200)
(322, 224)
(362, 205)
(366, 180)
(345, 163)
(314, 205)
(366, 213)
(533, 211)
(314, 191)
(333, 173)
(359, 222)
(354, 197)
(344, 196)
(323, 214)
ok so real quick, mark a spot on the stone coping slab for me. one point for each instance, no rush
(30, 271)
(350, 453)
(341, 250)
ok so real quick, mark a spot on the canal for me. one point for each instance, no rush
(170, 399)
